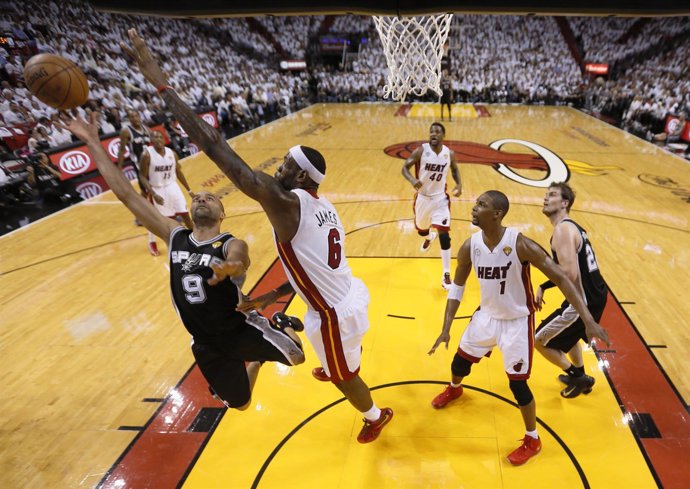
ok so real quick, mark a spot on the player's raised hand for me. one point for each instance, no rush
(539, 299)
(226, 269)
(443, 338)
(144, 58)
(86, 131)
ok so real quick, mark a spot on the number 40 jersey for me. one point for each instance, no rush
(206, 311)
(314, 260)
(432, 170)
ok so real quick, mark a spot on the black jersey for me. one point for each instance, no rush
(207, 311)
(138, 140)
(446, 91)
(592, 282)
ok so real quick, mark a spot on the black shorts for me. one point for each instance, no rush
(222, 360)
(564, 327)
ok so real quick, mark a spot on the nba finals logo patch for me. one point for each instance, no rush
(217, 244)
(507, 250)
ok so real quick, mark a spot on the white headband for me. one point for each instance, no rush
(304, 163)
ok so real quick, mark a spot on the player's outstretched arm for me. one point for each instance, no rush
(530, 251)
(235, 265)
(455, 172)
(153, 220)
(462, 271)
(260, 302)
(256, 185)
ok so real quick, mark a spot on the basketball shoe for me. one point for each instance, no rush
(372, 429)
(445, 283)
(449, 394)
(153, 249)
(283, 321)
(529, 448)
(577, 386)
(426, 244)
(320, 374)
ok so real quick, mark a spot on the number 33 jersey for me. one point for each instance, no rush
(207, 311)
(432, 170)
(505, 284)
(314, 260)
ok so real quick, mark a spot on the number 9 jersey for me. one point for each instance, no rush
(314, 260)
(207, 311)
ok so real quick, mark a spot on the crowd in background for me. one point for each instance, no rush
(231, 66)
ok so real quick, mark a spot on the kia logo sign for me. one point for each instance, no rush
(114, 148)
(89, 189)
(75, 162)
(210, 120)
(130, 173)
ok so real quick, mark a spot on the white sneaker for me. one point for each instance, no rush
(427, 241)
(446, 282)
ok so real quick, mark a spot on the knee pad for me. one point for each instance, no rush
(444, 240)
(521, 392)
(461, 366)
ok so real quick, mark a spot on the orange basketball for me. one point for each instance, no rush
(56, 81)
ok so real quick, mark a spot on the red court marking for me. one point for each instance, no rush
(642, 387)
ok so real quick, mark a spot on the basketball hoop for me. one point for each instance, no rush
(413, 47)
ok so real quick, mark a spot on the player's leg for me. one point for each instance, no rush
(422, 220)
(261, 341)
(515, 340)
(476, 342)
(230, 380)
(561, 333)
(336, 337)
(440, 220)
(450, 114)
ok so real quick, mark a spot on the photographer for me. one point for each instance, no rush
(44, 181)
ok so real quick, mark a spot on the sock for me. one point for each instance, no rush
(533, 434)
(454, 385)
(574, 371)
(445, 259)
(373, 414)
(152, 237)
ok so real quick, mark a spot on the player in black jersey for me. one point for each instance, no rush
(134, 136)
(206, 271)
(560, 333)
(446, 94)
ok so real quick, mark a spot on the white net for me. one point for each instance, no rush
(413, 47)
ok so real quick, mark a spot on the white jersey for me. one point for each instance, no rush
(162, 169)
(432, 170)
(506, 290)
(314, 260)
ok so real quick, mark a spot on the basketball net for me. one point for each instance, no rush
(413, 47)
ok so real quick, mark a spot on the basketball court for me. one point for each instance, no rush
(100, 387)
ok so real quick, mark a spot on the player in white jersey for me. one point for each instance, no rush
(159, 173)
(431, 162)
(501, 258)
(309, 236)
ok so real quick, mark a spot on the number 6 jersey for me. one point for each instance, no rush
(207, 311)
(314, 260)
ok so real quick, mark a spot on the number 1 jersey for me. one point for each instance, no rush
(207, 311)
(314, 260)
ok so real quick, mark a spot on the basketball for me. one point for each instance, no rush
(56, 81)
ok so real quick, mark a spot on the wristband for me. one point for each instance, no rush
(547, 285)
(163, 88)
(455, 292)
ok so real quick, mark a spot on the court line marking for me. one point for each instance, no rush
(564, 446)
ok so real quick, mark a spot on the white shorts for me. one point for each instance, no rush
(432, 211)
(336, 334)
(173, 200)
(514, 337)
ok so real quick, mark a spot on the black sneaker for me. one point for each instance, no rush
(283, 321)
(566, 379)
(579, 385)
